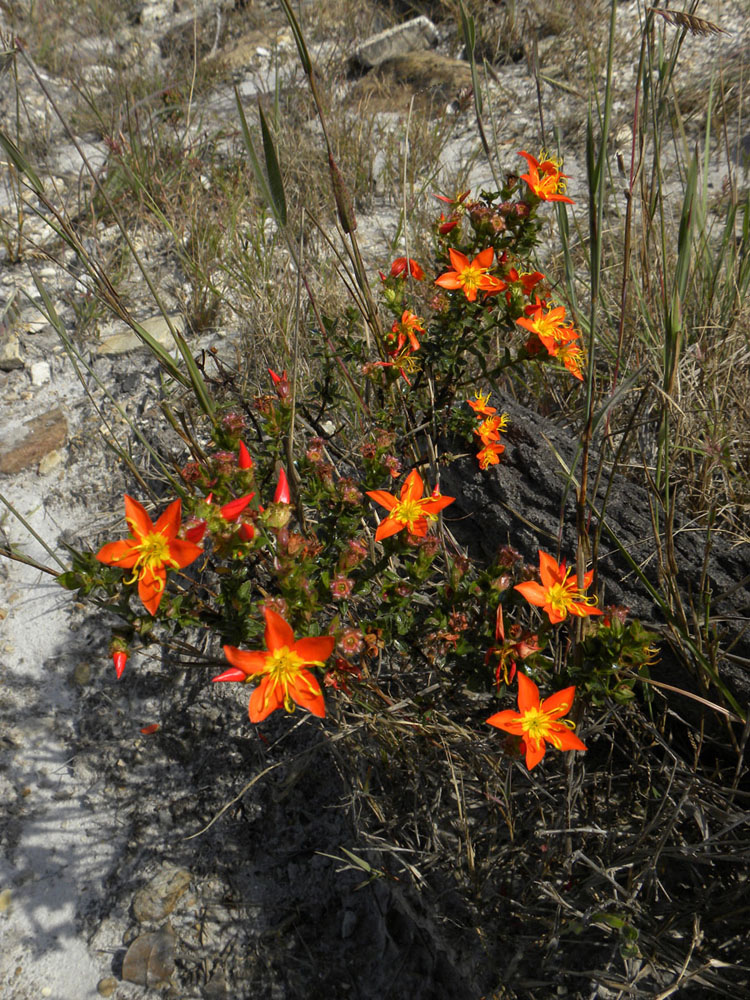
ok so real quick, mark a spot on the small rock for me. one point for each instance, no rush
(10, 353)
(5, 900)
(82, 674)
(158, 899)
(106, 987)
(156, 326)
(419, 33)
(50, 462)
(35, 439)
(40, 373)
(150, 958)
(428, 71)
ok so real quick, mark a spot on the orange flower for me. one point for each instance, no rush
(411, 510)
(571, 356)
(551, 326)
(283, 663)
(405, 328)
(479, 405)
(405, 362)
(471, 276)
(545, 179)
(489, 429)
(400, 266)
(558, 594)
(539, 723)
(152, 549)
(490, 455)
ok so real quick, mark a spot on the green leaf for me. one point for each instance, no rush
(260, 177)
(20, 162)
(275, 182)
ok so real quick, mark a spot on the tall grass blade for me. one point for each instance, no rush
(275, 181)
(260, 177)
(299, 38)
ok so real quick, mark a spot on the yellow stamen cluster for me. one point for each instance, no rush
(410, 511)
(539, 725)
(153, 552)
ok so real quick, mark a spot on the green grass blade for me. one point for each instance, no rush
(275, 181)
(20, 162)
(299, 39)
(260, 177)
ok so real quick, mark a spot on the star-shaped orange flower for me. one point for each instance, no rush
(411, 510)
(545, 179)
(539, 723)
(152, 549)
(282, 663)
(558, 593)
(471, 276)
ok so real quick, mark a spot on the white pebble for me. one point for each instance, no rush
(40, 373)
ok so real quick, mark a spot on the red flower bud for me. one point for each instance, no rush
(282, 494)
(245, 461)
(119, 658)
(232, 674)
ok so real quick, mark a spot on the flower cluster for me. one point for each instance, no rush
(306, 562)
(488, 431)
(550, 328)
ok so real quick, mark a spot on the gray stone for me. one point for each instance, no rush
(69, 160)
(158, 899)
(10, 353)
(419, 33)
(41, 373)
(126, 340)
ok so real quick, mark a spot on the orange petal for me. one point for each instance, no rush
(278, 632)
(184, 552)
(533, 593)
(305, 690)
(151, 584)
(485, 258)
(435, 504)
(266, 698)
(388, 527)
(528, 694)
(549, 569)
(555, 616)
(413, 487)
(315, 649)
(449, 280)
(568, 741)
(169, 522)
(560, 703)
(250, 661)
(119, 553)
(534, 752)
(386, 500)
(459, 261)
(507, 720)
(139, 523)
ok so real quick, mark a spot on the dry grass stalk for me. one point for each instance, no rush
(695, 25)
